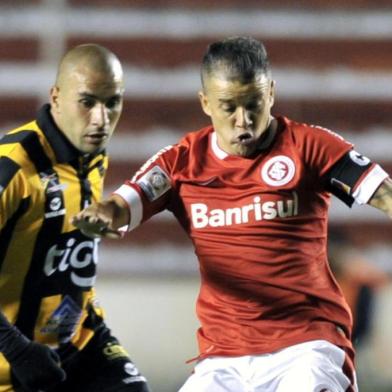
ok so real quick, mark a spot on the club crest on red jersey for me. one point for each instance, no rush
(278, 170)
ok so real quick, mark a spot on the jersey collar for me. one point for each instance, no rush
(220, 154)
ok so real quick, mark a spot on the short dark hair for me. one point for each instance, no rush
(239, 57)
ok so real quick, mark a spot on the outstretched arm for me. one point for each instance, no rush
(103, 219)
(382, 198)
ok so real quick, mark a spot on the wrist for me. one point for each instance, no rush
(13, 343)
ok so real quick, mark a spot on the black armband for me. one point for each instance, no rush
(344, 175)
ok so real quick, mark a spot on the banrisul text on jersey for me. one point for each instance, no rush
(258, 210)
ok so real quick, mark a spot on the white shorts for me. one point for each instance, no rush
(316, 366)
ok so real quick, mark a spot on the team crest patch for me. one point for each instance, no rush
(278, 171)
(154, 183)
(64, 320)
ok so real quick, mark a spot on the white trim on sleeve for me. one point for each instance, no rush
(134, 203)
(369, 184)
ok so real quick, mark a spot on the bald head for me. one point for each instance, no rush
(86, 100)
(89, 58)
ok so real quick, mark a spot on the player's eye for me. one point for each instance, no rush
(228, 108)
(87, 102)
(113, 102)
(254, 106)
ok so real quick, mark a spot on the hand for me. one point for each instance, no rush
(95, 221)
(37, 367)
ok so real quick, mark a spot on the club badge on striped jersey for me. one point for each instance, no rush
(154, 183)
(64, 320)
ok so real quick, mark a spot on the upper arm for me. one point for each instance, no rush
(148, 192)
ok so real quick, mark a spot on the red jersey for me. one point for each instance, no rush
(259, 228)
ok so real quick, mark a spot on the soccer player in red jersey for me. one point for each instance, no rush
(252, 191)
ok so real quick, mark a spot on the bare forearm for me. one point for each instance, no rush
(120, 214)
(382, 199)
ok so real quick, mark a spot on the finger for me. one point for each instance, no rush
(91, 234)
(112, 234)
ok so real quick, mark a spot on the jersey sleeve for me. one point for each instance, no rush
(344, 172)
(322, 149)
(13, 190)
(148, 192)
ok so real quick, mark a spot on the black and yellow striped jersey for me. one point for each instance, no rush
(47, 267)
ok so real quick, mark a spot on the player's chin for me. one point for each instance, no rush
(244, 151)
(91, 148)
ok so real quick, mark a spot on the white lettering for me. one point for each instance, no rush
(245, 212)
(257, 207)
(269, 209)
(281, 212)
(49, 261)
(217, 218)
(74, 259)
(203, 217)
(63, 265)
(230, 213)
(78, 257)
(199, 217)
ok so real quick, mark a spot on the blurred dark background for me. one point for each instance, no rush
(332, 62)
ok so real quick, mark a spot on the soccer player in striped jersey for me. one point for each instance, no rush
(53, 336)
(252, 191)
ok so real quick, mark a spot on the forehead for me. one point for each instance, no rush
(221, 86)
(84, 80)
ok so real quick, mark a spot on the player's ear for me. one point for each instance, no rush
(54, 98)
(205, 105)
(272, 93)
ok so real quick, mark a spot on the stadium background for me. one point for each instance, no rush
(332, 61)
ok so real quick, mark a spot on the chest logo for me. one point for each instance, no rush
(278, 171)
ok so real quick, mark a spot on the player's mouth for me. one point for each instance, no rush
(96, 137)
(244, 139)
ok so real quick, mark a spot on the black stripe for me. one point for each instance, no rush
(31, 144)
(36, 153)
(8, 168)
(100, 166)
(81, 166)
(86, 193)
(8, 229)
(50, 230)
(14, 137)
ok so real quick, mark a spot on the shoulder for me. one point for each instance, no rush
(311, 140)
(177, 157)
(196, 140)
(302, 132)
(20, 143)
